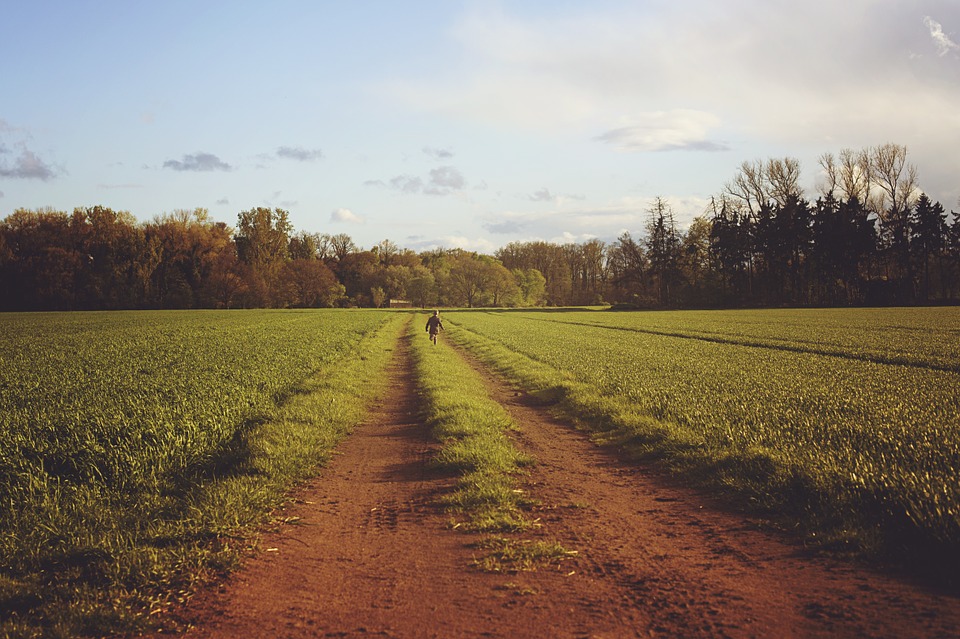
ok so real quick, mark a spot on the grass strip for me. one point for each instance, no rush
(473, 430)
(123, 560)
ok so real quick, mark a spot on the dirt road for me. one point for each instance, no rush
(371, 554)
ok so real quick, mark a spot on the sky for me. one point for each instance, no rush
(461, 123)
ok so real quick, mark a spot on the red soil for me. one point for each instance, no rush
(371, 554)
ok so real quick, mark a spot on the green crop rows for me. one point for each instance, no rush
(111, 423)
(851, 415)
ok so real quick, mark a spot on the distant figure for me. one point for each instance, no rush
(434, 326)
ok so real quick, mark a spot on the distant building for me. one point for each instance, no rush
(400, 304)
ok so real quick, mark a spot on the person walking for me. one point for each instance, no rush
(434, 326)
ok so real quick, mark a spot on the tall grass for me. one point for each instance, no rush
(168, 485)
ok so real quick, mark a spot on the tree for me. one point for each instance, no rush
(502, 287)
(40, 261)
(341, 245)
(357, 272)
(550, 259)
(263, 244)
(629, 266)
(758, 183)
(191, 249)
(929, 236)
(469, 279)
(532, 286)
(422, 287)
(314, 284)
(843, 240)
(663, 249)
(953, 255)
(696, 265)
(731, 248)
(305, 246)
(111, 244)
(263, 237)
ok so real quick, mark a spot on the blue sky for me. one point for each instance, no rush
(461, 123)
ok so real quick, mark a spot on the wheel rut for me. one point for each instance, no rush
(692, 567)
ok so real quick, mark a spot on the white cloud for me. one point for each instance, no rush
(444, 180)
(346, 216)
(27, 165)
(299, 154)
(944, 44)
(680, 129)
(759, 79)
(479, 244)
(198, 162)
(438, 154)
(544, 195)
(447, 177)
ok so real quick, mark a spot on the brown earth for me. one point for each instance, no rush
(371, 554)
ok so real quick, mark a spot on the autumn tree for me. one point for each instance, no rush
(263, 244)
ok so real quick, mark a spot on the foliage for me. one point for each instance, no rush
(871, 238)
(845, 420)
(139, 448)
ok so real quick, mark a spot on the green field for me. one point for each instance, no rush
(848, 418)
(134, 446)
(141, 451)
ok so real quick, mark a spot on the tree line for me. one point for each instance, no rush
(871, 237)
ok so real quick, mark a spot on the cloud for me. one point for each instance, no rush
(407, 184)
(479, 245)
(944, 44)
(198, 162)
(346, 216)
(223, 201)
(676, 130)
(443, 180)
(543, 195)
(299, 154)
(438, 154)
(504, 227)
(447, 177)
(27, 165)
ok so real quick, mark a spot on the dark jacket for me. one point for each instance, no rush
(434, 325)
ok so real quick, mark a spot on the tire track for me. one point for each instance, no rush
(692, 568)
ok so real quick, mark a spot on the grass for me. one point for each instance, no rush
(503, 554)
(852, 441)
(474, 433)
(473, 430)
(103, 557)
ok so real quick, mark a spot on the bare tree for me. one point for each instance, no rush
(855, 174)
(783, 178)
(894, 178)
(758, 183)
(749, 185)
(342, 245)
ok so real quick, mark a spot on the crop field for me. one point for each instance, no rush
(111, 424)
(851, 416)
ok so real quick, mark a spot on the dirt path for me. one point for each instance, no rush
(372, 555)
(695, 570)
